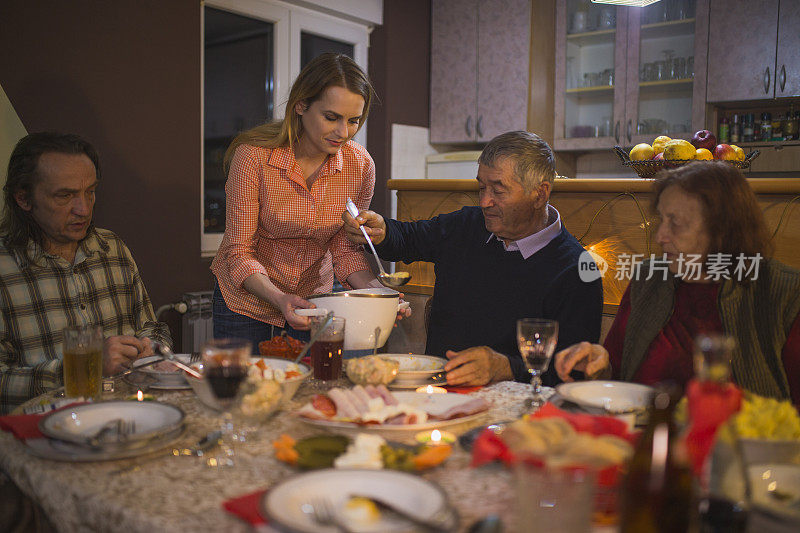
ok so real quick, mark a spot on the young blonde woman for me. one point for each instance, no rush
(287, 186)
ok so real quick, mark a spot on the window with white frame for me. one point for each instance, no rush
(252, 51)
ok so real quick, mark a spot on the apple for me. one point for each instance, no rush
(725, 151)
(704, 139)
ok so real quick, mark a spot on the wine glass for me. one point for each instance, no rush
(536, 338)
(225, 370)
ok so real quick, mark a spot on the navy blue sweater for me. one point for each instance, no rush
(481, 289)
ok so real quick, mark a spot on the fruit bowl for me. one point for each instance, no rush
(650, 167)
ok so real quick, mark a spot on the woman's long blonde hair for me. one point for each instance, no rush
(326, 70)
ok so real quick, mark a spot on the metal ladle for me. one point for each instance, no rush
(398, 279)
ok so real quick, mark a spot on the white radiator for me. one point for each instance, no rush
(197, 324)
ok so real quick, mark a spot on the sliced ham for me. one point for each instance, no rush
(344, 406)
(361, 398)
(357, 401)
(372, 391)
(308, 411)
(388, 397)
(465, 408)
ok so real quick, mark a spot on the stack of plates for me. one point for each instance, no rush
(417, 370)
(68, 432)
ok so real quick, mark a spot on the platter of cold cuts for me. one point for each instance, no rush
(377, 408)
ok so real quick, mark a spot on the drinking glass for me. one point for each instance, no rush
(537, 339)
(712, 357)
(562, 499)
(225, 370)
(326, 352)
(83, 361)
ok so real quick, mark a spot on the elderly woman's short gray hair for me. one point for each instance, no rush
(533, 158)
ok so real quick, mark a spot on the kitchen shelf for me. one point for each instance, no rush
(767, 144)
(672, 28)
(665, 83)
(592, 37)
(595, 89)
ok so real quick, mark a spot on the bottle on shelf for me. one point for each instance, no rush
(748, 127)
(766, 126)
(657, 492)
(790, 125)
(777, 128)
(724, 131)
(736, 129)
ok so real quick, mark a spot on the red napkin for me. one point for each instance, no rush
(462, 390)
(26, 427)
(22, 426)
(246, 507)
(710, 405)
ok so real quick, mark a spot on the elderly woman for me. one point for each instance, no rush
(707, 211)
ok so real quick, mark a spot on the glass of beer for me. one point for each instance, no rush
(326, 352)
(83, 361)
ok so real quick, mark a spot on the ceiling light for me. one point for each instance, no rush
(635, 3)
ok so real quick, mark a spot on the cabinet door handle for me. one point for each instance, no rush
(468, 126)
(629, 130)
(616, 132)
(783, 77)
(767, 80)
(478, 127)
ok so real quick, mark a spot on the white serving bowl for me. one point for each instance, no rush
(611, 396)
(415, 369)
(289, 387)
(363, 311)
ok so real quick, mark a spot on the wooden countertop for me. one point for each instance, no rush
(759, 185)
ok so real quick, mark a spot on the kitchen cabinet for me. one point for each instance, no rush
(480, 54)
(752, 52)
(626, 75)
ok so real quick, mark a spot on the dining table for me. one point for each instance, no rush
(164, 492)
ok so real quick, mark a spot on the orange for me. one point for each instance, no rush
(703, 154)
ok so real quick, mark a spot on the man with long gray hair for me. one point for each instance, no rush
(507, 259)
(57, 269)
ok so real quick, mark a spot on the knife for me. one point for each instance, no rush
(136, 368)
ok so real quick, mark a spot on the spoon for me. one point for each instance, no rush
(313, 338)
(398, 279)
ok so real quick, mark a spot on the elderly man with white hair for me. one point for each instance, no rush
(507, 259)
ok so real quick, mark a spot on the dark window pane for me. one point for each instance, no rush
(313, 45)
(238, 95)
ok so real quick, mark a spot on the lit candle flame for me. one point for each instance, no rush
(429, 389)
(436, 436)
(139, 396)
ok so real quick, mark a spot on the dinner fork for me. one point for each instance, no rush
(324, 515)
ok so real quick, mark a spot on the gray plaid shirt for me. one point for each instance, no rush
(39, 298)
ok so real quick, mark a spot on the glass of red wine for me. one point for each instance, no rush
(225, 369)
(537, 338)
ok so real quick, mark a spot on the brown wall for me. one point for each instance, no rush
(125, 75)
(399, 65)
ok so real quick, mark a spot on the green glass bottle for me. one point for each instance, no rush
(657, 492)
